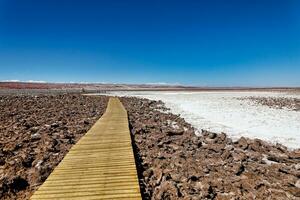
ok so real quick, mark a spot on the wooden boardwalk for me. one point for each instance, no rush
(100, 165)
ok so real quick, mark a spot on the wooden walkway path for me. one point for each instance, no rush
(100, 165)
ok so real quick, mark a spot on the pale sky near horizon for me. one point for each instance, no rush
(203, 43)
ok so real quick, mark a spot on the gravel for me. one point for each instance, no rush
(36, 132)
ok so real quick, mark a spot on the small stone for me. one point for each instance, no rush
(297, 166)
(27, 162)
(212, 135)
(242, 143)
(239, 156)
(2, 161)
(206, 170)
(297, 184)
(174, 146)
(208, 134)
(157, 173)
(176, 177)
(148, 173)
(34, 129)
(37, 164)
(196, 141)
(222, 136)
(216, 147)
(208, 191)
(226, 154)
(276, 158)
(239, 169)
(47, 126)
(35, 136)
(175, 132)
(54, 125)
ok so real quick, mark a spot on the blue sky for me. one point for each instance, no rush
(208, 43)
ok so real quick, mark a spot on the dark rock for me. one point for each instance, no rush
(209, 134)
(27, 162)
(208, 191)
(18, 184)
(239, 169)
(277, 158)
(2, 161)
(175, 132)
(55, 125)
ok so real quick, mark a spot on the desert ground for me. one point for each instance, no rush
(174, 161)
(268, 115)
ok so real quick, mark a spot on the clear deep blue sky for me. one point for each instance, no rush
(209, 43)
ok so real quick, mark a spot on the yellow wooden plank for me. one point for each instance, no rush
(100, 166)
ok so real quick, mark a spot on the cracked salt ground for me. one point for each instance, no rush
(227, 112)
(175, 164)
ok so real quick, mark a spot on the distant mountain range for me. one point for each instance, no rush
(125, 87)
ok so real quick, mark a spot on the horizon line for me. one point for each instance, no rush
(153, 84)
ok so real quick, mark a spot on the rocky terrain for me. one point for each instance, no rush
(36, 131)
(278, 103)
(173, 163)
(35, 134)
